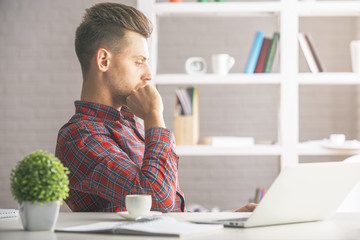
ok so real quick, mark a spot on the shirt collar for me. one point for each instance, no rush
(103, 111)
(127, 114)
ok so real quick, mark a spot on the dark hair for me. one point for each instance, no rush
(105, 24)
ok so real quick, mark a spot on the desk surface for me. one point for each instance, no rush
(340, 226)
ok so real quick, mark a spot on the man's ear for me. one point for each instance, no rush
(103, 58)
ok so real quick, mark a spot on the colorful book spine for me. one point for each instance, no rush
(271, 53)
(259, 194)
(263, 55)
(255, 51)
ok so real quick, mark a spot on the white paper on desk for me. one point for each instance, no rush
(164, 226)
(9, 213)
(94, 227)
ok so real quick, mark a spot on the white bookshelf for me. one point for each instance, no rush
(288, 80)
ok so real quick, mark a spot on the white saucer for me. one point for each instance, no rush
(347, 145)
(126, 215)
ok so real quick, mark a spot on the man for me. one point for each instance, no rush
(108, 153)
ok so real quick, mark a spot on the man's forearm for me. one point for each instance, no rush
(160, 160)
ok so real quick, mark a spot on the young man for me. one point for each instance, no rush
(108, 153)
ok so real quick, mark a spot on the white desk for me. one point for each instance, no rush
(340, 226)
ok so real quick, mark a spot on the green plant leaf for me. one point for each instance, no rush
(39, 177)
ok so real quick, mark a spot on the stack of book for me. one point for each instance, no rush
(187, 116)
(262, 53)
(310, 52)
(186, 98)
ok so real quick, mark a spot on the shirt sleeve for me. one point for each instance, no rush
(99, 166)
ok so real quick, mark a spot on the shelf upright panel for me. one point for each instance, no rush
(289, 94)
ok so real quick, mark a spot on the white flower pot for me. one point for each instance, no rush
(37, 217)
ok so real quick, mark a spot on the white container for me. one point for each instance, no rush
(138, 205)
(355, 55)
(222, 63)
(38, 217)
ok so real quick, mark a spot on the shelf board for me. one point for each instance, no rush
(328, 8)
(315, 149)
(218, 9)
(304, 149)
(206, 150)
(212, 79)
(338, 78)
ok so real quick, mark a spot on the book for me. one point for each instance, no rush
(263, 55)
(254, 53)
(315, 53)
(259, 194)
(185, 101)
(307, 53)
(195, 101)
(9, 213)
(271, 53)
(160, 226)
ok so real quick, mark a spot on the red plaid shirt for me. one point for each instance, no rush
(109, 157)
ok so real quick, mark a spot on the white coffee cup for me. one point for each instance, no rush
(138, 205)
(337, 139)
(222, 63)
(355, 55)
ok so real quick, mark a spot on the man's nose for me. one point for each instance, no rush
(147, 76)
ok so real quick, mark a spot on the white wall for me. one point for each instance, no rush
(40, 78)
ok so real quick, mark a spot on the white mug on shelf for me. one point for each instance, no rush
(222, 63)
(355, 55)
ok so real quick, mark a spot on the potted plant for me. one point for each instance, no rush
(39, 183)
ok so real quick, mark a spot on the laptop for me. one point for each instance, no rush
(301, 193)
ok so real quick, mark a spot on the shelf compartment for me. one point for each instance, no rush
(218, 9)
(206, 150)
(338, 78)
(328, 8)
(213, 79)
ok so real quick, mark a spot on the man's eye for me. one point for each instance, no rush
(138, 63)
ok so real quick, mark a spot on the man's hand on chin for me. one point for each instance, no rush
(146, 103)
(247, 208)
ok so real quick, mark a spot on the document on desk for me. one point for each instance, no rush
(160, 226)
(9, 213)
